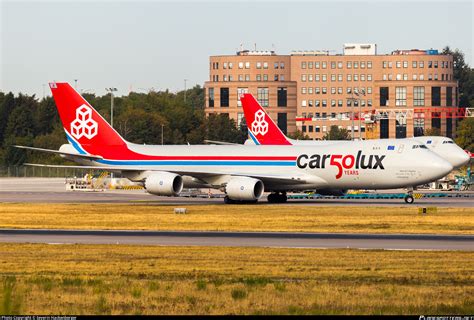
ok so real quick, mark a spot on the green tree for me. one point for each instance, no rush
(6, 109)
(335, 133)
(299, 135)
(433, 132)
(462, 73)
(465, 134)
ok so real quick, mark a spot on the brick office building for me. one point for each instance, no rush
(394, 95)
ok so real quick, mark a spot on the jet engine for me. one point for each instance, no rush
(244, 188)
(164, 184)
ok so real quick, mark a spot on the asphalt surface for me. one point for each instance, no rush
(241, 239)
(53, 190)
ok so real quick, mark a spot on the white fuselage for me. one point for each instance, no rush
(361, 164)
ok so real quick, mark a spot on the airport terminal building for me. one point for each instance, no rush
(396, 95)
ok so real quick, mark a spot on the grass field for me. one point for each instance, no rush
(237, 218)
(112, 279)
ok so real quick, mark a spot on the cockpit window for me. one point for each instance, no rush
(428, 142)
(448, 141)
(419, 146)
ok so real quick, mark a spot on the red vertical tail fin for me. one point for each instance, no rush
(262, 129)
(85, 128)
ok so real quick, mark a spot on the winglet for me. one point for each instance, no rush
(262, 129)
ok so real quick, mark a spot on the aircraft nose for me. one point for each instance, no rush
(441, 166)
(460, 159)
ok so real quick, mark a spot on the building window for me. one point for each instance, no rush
(303, 128)
(369, 64)
(418, 96)
(399, 64)
(303, 90)
(418, 125)
(362, 65)
(282, 77)
(316, 77)
(413, 64)
(390, 64)
(247, 77)
(324, 77)
(324, 90)
(316, 90)
(421, 64)
(303, 65)
(325, 103)
(282, 65)
(333, 64)
(316, 65)
(310, 90)
(310, 65)
(259, 77)
(400, 96)
(262, 96)
(339, 77)
(349, 103)
(422, 76)
(339, 90)
(303, 77)
(369, 102)
(316, 103)
(333, 90)
(349, 65)
(414, 77)
(333, 77)
(282, 122)
(265, 77)
(384, 96)
(324, 64)
(339, 64)
(231, 78)
(399, 76)
(449, 96)
(436, 64)
(224, 97)
(211, 97)
(349, 90)
(362, 77)
(224, 65)
(435, 96)
(303, 103)
(275, 77)
(430, 64)
(241, 65)
(349, 77)
(275, 65)
(231, 65)
(405, 64)
(259, 65)
(369, 77)
(339, 103)
(369, 90)
(310, 77)
(310, 103)
(356, 65)
(240, 92)
(390, 77)
(405, 76)
(356, 77)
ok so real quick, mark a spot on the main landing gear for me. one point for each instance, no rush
(409, 196)
(228, 200)
(277, 197)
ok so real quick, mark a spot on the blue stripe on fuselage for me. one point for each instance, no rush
(196, 163)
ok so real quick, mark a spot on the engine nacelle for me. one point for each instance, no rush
(244, 188)
(164, 183)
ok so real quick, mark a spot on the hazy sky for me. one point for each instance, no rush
(144, 44)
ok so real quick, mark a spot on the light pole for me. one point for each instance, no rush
(75, 84)
(185, 89)
(111, 90)
(360, 93)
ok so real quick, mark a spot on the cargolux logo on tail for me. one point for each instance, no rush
(259, 125)
(84, 125)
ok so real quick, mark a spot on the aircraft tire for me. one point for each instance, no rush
(409, 199)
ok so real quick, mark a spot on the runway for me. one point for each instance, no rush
(241, 239)
(52, 190)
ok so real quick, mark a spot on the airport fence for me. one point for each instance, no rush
(45, 172)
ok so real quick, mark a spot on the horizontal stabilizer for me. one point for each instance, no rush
(70, 154)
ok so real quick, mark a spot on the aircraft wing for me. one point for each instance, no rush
(221, 143)
(69, 154)
(266, 179)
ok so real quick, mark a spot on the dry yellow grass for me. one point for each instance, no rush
(237, 218)
(112, 279)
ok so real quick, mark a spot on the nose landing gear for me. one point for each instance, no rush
(409, 196)
(277, 197)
